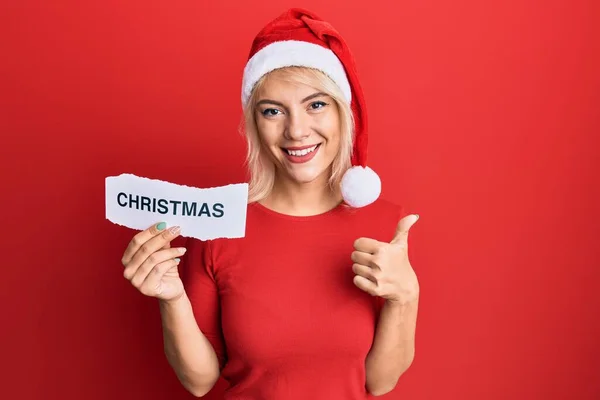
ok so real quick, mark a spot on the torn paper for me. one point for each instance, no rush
(210, 213)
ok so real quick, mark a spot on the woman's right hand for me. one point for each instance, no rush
(151, 264)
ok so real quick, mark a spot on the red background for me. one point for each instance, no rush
(484, 120)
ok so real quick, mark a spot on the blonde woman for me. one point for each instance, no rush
(319, 299)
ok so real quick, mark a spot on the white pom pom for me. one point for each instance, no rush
(360, 186)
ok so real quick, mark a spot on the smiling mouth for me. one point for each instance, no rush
(300, 152)
(300, 155)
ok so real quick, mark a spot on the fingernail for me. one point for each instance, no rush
(174, 230)
(182, 250)
(161, 226)
(177, 260)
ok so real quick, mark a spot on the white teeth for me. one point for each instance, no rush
(304, 152)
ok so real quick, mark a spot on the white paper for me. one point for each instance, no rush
(209, 213)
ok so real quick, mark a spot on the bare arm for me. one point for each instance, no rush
(394, 347)
(384, 270)
(151, 265)
(188, 351)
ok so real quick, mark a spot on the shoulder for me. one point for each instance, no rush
(377, 220)
(384, 208)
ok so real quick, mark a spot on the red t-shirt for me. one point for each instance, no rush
(279, 305)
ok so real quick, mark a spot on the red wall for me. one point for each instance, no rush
(484, 119)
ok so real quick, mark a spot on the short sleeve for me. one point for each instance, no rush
(197, 274)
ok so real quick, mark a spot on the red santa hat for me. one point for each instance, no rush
(300, 38)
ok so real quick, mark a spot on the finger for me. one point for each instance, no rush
(137, 274)
(151, 285)
(139, 239)
(153, 245)
(367, 245)
(365, 285)
(365, 259)
(403, 227)
(364, 271)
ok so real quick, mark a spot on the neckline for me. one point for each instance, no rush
(335, 210)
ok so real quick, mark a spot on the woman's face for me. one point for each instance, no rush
(300, 129)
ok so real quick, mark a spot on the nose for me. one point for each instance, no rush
(297, 128)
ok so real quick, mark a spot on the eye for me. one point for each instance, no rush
(317, 105)
(270, 112)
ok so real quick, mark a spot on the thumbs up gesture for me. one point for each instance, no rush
(383, 269)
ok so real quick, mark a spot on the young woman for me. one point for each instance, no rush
(319, 299)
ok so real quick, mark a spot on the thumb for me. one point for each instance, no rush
(403, 228)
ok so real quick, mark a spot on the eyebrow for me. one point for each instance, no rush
(312, 96)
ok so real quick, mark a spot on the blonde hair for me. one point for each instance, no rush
(260, 168)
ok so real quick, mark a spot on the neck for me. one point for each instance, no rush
(304, 199)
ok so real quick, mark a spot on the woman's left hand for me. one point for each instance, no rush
(383, 269)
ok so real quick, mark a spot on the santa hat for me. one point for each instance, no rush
(300, 38)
